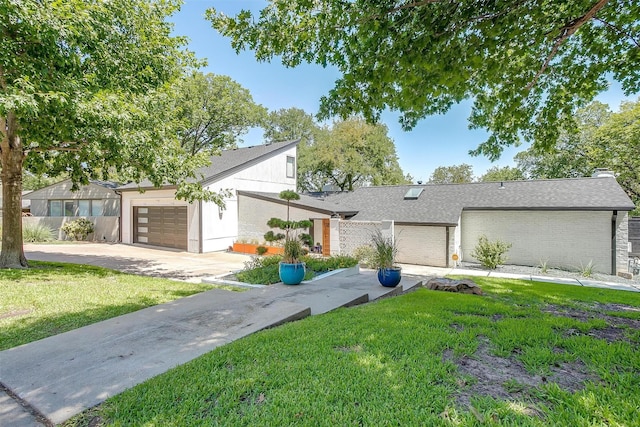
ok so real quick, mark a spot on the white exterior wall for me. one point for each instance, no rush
(254, 214)
(218, 231)
(270, 176)
(566, 239)
(622, 242)
(106, 228)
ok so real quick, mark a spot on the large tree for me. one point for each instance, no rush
(506, 173)
(295, 123)
(82, 90)
(526, 64)
(214, 111)
(456, 174)
(353, 153)
(604, 139)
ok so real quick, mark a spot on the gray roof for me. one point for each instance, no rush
(315, 204)
(228, 163)
(443, 204)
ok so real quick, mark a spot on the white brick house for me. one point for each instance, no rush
(566, 223)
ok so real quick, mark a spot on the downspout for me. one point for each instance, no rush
(119, 193)
(447, 246)
(614, 239)
(200, 246)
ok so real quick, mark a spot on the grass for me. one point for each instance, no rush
(406, 361)
(52, 298)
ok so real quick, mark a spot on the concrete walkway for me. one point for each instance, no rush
(61, 376)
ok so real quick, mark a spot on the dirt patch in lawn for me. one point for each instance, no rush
(617, 328)
(505, 378)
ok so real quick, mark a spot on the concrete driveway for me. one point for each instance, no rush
(141, 260)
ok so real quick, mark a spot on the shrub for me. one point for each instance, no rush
(586, 270)
(37, 233)
(365, 255)
(490, 254)
(260, 270)
(261, 250)
(78, 229)
(384, 251)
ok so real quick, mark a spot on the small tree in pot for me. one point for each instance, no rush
(384, 258)
(292, 270)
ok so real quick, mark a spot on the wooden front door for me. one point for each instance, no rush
(326, 237)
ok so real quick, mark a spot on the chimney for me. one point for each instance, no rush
(603, 173)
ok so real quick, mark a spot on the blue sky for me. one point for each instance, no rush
(442, 140)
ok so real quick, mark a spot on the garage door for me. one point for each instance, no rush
(422, 245)
(161, 226)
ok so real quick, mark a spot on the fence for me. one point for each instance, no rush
(106, 227)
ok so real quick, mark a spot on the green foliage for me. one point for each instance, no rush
(490, 254)
(270, 236)
(456, 174)
(37, 233)
(292, 251)
(78, 229)
(36, 182)
(586, 270)
(264, 270)
(292, 244)
(506, 173)
(603, 139)
(261, 250)
(385, 251)
(314, 371)
(52, 298)
(213, 112)
(365, 255)
(526, 66)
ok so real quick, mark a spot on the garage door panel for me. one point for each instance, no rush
(421, 245)
(161, 226)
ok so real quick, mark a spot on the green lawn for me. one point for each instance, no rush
(523, 354)
(51, 298)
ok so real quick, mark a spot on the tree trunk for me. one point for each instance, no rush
(12, 255)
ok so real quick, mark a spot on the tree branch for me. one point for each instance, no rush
(619, 31)
(565, 32)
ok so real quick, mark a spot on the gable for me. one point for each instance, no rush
(62, 190)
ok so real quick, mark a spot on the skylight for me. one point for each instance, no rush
(413, 193)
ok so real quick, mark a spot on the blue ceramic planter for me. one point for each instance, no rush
(292, 274)
(389, 277)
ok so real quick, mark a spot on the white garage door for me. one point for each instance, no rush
(422, 245)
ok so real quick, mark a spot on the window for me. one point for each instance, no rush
(291, 167)
(55, 208)
(76, 207)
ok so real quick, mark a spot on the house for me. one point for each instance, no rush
(564, 222)
(153, 216)
(56, 204)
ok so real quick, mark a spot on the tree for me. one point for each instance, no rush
(82, 91)
(456, 174)
(214, 111)
(353, 153)
(295, 123)
(527, 65)
(604, 139)
(506, 173)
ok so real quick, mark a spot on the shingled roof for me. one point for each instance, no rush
(229, 162)
(442, 204)
(314, 204)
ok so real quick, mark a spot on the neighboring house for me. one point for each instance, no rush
(56, 204)
(564, 222)
(153, 216)
(25, 203)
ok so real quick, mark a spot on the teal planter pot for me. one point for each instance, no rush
(389, 277)
(292, 274)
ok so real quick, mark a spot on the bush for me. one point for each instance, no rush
(365, 255)
(37, 233)
(78, 229)
(261, 250)
(490, 254)
(264, 270)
